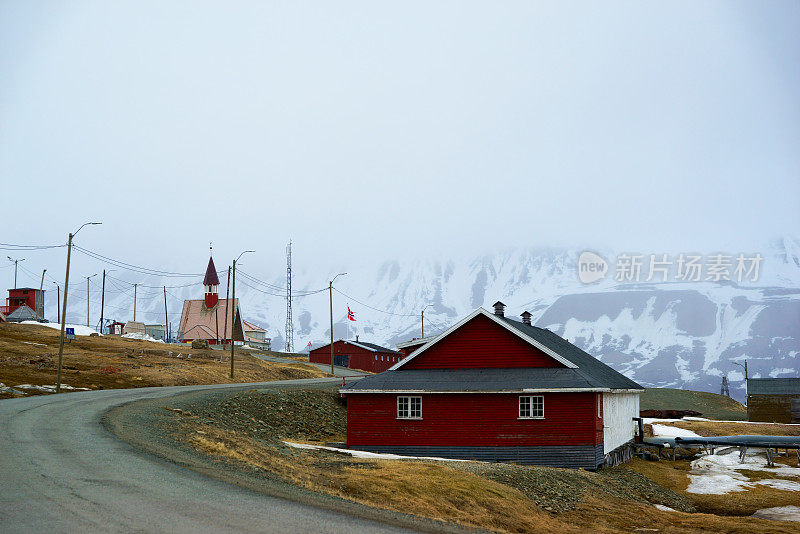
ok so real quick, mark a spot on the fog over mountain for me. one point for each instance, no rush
(676, 333)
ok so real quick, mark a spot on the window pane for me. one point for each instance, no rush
(538, 406)
(416, 406)
(524, 406)
(402, 406)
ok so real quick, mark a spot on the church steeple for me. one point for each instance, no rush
(210, 282)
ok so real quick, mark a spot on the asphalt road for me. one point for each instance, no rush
(62, 471)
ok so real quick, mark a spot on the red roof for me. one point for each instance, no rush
(211, 278)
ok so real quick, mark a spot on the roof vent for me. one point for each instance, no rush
(499, 309)
(526, 317)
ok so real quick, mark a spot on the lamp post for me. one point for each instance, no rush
(64, 307)
(423, 318)
(330, 295)
(745, 378)
(233, 313)
(58, 299)
(15, 268)
(41, 285)
(87, 298)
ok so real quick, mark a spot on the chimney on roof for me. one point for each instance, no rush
(526, 317)
(499, 309)
(356, 337)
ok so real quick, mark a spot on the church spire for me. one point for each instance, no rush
(211, 281)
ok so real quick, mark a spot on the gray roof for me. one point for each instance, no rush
(773, 386)
(363, 344)
(589, 373)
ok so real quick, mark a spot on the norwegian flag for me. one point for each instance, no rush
(350, 314)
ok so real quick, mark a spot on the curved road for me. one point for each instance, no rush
(61, 470)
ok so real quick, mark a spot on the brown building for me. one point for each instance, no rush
(773, 400)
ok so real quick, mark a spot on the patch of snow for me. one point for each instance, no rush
(666, 431)
(664, 508)
(49, 388)
(32, 343)
(785, 485)
(142, 337)
(785, 371)
(717, 474)
(779, 513)
(80, 330)
(365, 454)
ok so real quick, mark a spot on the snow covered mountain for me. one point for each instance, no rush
(665, 331)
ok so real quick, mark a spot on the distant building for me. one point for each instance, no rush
(115, 328)
(256, 336)
(24, 296)
(773, 400)
(134, 327)
(210, 318)
(356, 355)
(156, 331)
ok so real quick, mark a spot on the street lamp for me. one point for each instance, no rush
(64, 307)
(745, 377)
(423, 318)
(330, 294)
(87, 298)
(233, 298)
(58, 299)
(15, 268)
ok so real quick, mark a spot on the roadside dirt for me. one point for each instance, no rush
(29, 355)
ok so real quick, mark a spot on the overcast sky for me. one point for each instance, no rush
(397, 129)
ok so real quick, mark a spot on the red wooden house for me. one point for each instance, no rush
(356, 355)
(497, 389)
(24, 296)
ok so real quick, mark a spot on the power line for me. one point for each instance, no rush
(12, 246)
(373, 308)
(131, 267)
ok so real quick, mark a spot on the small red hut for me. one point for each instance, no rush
(497, 389)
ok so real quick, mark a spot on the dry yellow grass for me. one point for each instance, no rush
(28, 355)
(448, 494)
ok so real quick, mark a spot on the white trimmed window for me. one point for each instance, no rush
(409, 407)
(531, 407)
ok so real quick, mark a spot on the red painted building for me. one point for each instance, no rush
(24, 296)
(497, 389)
(356, 355)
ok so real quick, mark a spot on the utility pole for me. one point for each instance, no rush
(58, 299)
(330, 296)
(64, 309)
(41, 285)
(102, 300)
(423, 319)
(289, 324)
(87, 300)
(166, 317)
(233, 315)
(227, 294)
(15, 268)
(134, 301)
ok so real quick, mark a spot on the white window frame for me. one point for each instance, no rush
(527, 406)
(409, 408)
(599, 405)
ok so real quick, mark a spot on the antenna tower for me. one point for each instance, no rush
(289, 326)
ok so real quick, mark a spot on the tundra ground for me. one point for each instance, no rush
(29, 355)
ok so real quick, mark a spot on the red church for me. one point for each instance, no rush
(210, 318)
(496, 389)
